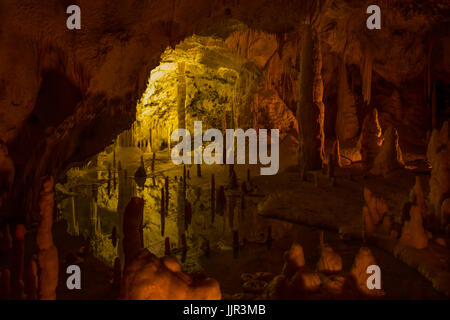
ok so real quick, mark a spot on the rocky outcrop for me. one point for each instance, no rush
(413, 232)
(150, 278)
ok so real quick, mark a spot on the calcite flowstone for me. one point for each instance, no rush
(149, 278)
(390, 157)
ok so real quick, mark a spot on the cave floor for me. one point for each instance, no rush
(295, 211)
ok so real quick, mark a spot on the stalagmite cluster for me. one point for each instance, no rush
(47, 254)
(150, 278)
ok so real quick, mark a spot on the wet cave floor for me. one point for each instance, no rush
(90, 201)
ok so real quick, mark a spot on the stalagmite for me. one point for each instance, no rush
(6, 241)
(413, 233)
(363, 259)
(47, 254)
(310, 108)
(438, 155)
(390, 156)
(150, 278)
(294, 259)
(17, 283)
(153, 161)
(132, 223)
(370, 139)
(347, 125)
(199, 170)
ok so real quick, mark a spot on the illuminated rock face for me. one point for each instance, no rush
(150, 278)
(390, 157)
(413, 233)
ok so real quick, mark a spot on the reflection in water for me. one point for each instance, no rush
(177, 214)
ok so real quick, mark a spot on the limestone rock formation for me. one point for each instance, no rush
(390, 155)
(305, 281)
(150, 278)
(438, 154)
(363, 259)
(47, 254)
(413, 232)
(370, 140)
(7, 172)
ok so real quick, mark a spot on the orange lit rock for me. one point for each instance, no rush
(47, 254)
(413, 233)
(363, 259)
(150, 278)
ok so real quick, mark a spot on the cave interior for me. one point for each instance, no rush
(86, 170)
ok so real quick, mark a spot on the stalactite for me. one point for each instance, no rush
(47, 254)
